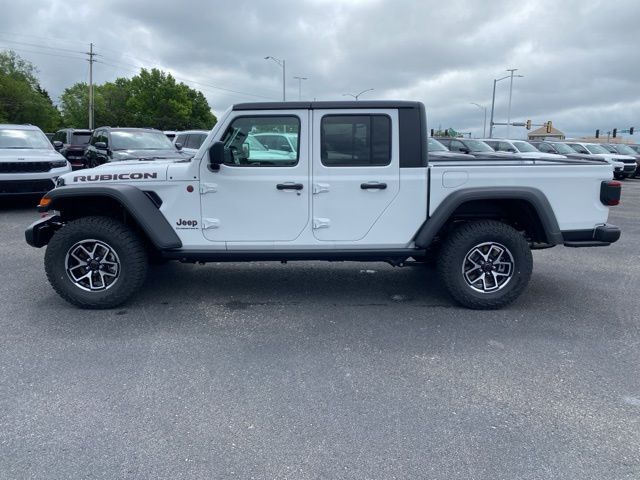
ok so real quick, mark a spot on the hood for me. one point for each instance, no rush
(29, 155)
(617, 156)
(163, 154)
(542, 155)
(121, 172)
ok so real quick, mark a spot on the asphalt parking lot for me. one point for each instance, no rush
(318, 370)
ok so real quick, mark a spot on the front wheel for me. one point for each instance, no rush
(485, 265)
(96, 262)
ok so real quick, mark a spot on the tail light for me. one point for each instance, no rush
(610, 192)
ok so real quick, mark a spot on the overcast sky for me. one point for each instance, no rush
(580, 59)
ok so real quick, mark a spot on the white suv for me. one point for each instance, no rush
(627, 162)
(29, 165)
(520, 148)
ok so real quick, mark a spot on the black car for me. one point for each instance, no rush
(477, 148)
(558, 148)
(110, 144)
(72, 143)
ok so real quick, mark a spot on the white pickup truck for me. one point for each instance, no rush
(354, 183)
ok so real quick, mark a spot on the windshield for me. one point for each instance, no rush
(29, 139)
(436, 146)
(139, 140)
(478, 146)
(80, 138)
(597, 149)
(525, 147)
(609, 148)
(563, 149)
(624, 150)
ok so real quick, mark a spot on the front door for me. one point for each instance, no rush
(261, 194)
(356, 172)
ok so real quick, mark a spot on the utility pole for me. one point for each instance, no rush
(510, 94)
(91, 103)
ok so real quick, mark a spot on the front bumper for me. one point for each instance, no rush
(600, 236)
(40, 232)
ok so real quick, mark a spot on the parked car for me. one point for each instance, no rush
(285, 142)
(109, 144)
(622, 149)
(356, 195)
(29, 165)
(521, 149)
(477, 148)
(558, 148)
(597, 151)
(74, 143)
(437, 151)
(190, 140)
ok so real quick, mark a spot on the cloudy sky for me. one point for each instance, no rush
(579, 59)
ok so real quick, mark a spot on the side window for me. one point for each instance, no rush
(181, 139)
(242, 141)
(579, 148)
(60, 136)
(457, 146)
(94, 137)
(194, 141)
(355, 140)
(492, 144)
(543, 147)
(505, 147)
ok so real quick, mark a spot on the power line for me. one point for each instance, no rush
(41, 46)
(8, 47)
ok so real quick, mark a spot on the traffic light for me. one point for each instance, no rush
(615, 132)
(598, 133)
(631, 131)
(528, 125)
(548, 126)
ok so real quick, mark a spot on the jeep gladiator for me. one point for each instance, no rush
(353, 182)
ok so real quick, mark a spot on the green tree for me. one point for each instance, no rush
(151, 99)
(22, 99)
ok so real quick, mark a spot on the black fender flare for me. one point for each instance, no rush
(137, 204)
(533, 196)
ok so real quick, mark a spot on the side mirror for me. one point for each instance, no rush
(246, 150)
(511, 150)
(178, 145)
(100, 145)
(465, 150)
(57, 144)
(285, 147)
(216, 155)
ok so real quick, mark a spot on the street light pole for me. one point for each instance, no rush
(493, 102)
(510, 94)
(282, 64)
(357, 96)
(300, 86)
(484, 125)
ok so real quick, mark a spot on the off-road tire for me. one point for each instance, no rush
(453, 256)
(128, 246)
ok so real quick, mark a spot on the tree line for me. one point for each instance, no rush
(152, 98)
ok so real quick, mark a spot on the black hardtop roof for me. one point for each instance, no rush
(352, 104)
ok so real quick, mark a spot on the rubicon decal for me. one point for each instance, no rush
(186, 224)
(115, 176)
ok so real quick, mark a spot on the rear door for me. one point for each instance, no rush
(355, 171)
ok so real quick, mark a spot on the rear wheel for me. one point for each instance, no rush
(96, 262)
(485, 264)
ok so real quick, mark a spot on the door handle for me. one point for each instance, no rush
(373, 186)
(289, 186)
